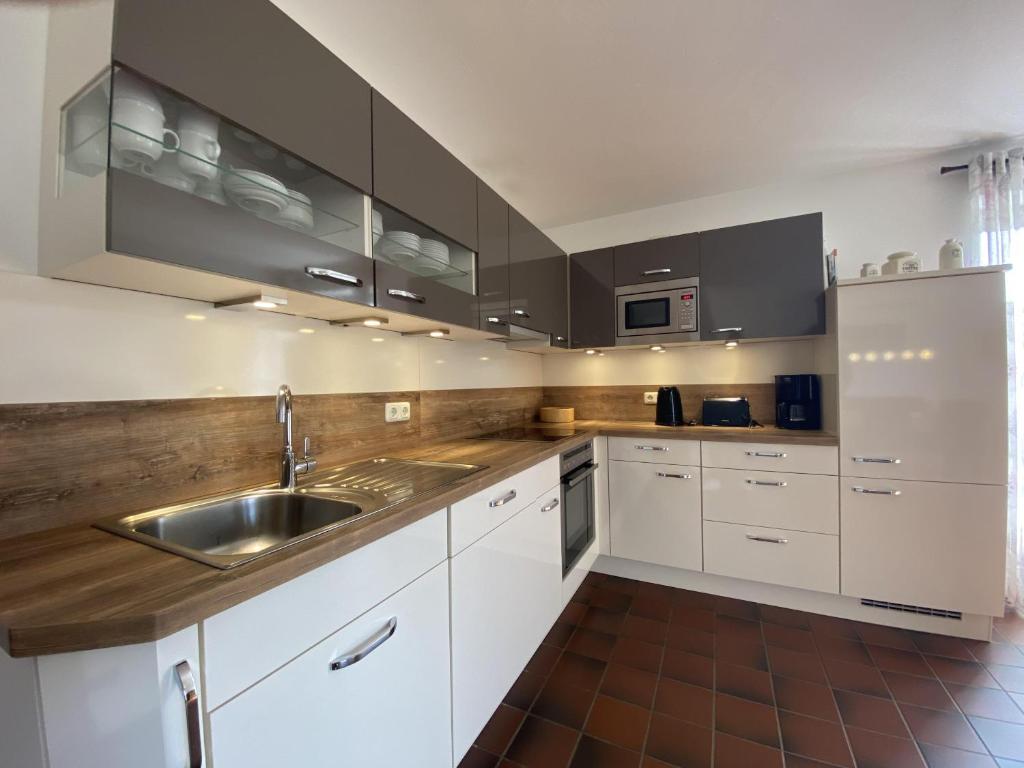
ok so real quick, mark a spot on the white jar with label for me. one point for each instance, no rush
(901, 263)
(951, 255)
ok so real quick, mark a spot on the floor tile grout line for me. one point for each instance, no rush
(959, 709)
(771, 681)
(657, 684)
(898, 708)
(835, 701)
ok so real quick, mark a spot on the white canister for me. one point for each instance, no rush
(870, 269)
(951, 255)
(901, 263)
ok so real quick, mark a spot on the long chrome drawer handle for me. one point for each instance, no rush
(767, 454)
(767, 539)
(876, 460)
(188, 689)
(874, 491)
(549, 506)
(737, 329)
(338, 277)
(773, 484)
(520, 313)
(662, 271)
(650, 448)
(677, 476)
(496, 321)
(500, 502)
(366, 648)
(398, 293)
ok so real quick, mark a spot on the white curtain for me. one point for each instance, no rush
(997, 205)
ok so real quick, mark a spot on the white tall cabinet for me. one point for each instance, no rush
(923, 446)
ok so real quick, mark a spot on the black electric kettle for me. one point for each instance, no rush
(670, 407)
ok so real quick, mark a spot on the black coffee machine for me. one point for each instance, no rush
(670, 408)
(798, 401)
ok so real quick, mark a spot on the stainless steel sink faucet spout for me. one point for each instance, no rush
(289, 466)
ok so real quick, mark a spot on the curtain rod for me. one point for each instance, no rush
(951, 168)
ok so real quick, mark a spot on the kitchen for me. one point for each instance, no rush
(318, 451)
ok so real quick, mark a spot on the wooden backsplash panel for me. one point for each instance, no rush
(627, 402)
(64, 463)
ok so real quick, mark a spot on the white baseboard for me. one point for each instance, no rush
(972, 626)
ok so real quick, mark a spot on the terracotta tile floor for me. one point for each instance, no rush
(639, 675)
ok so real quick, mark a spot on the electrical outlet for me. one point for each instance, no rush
(650, 398)
(397, 412)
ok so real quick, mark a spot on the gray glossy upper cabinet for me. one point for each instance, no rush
(492, 261)
(413, 173)
(763, 280)
(248, 61)
(538, 280)
(592, 298)
(665, 258)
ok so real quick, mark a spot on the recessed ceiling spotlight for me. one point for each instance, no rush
(657, 348)
(731, 344)
(262, 301)
(370, 322)
(591, 352)
(434, 333)
(306, 330)
(600, 354)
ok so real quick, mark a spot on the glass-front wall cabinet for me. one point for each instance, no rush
(231, 185)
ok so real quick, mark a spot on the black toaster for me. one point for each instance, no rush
(726, 412)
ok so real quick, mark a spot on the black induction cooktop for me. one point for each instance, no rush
(531, 434)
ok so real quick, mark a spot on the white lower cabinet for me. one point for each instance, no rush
(656, 513)
(505, 595)
(390, 707)
(934, 545)
(772, 499)
(772, 556)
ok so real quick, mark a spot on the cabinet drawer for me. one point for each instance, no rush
(772, 556)
(391, 707)
(250, 640)
(666, 258)
(773, 499)
(937, 545)
(810, 459)
(400, 290)
(654, 450)
(655, 513)
(506, 593)
(484, 511)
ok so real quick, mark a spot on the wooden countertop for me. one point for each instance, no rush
(79, 588)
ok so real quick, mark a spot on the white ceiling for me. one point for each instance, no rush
(577, 109)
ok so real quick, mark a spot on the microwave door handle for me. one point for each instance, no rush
(575, 478)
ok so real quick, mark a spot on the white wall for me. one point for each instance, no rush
(22, 61)
(867, 214)
(751, 363)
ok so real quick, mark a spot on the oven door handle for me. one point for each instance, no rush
(577, 477)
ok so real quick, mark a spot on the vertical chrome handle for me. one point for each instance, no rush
(334, 276)
(876, 460)
(875, 491)
(650, 448)
(366, 648)
(398, 293)
(305, 447)
(520, 313)
(188, 690)
(503, 500)
(766, 454)
(677, 476)
(737, 329)
(774, 484)
(767, 539)
(661, 271)
(549, 506)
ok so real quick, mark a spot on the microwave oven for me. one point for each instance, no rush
(666, 311)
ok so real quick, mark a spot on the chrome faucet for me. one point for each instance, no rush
(289, 466)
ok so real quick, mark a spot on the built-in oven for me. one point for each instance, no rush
(579, 516)
(658, 312)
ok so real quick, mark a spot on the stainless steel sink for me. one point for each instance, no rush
(230, 530)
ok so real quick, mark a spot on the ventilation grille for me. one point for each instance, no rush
(941, 613)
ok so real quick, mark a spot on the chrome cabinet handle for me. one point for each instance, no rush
(677, 476)
(661, 271)
(728, 330)
(560, 338)
(366, 648)
(876, 460)
(549, 506)
(875, 491)
(502, 501)
(398, 293)
(520, 313)
(188, 689)
(322, 273)
(766, 454)
(766, 539)
(650, 448)
(579, 475)
(496, 321)
(774, 484)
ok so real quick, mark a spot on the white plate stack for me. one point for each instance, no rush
(256, 192)
(400, 247)
(438, 259)
(299, 213)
